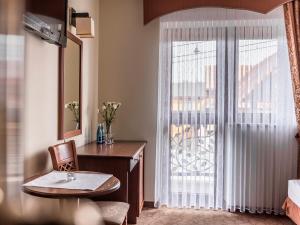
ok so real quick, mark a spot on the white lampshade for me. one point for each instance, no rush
(85, 27)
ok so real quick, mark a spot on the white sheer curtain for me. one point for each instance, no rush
(226, 123)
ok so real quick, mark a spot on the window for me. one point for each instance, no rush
(226, 121)
(194, 101)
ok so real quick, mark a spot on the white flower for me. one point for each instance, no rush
(74, 107)
(109, 111)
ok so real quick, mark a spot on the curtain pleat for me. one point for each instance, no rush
(292, 24)
(226, 121)
(261, 125)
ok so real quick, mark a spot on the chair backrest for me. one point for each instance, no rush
(64, 156)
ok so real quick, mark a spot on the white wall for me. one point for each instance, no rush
(128, 73)
(41, 97)
(128, 67)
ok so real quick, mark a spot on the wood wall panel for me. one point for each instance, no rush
(157, 8)
(11, 15)
(11, 101)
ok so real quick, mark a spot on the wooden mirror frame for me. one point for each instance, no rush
(61, 104)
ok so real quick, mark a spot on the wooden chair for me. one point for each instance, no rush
(64, 158)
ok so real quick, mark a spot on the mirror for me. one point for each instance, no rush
(70, 122)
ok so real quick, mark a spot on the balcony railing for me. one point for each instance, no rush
(193, 150)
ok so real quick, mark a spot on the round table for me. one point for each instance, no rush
(111, 185)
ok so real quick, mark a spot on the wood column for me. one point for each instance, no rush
(11, 97)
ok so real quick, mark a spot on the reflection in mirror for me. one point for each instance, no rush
(70, 88)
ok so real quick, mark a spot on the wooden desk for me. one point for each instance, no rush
(123, 159)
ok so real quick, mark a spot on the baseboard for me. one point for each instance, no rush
(148, 204)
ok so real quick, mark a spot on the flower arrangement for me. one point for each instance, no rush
(108, 113)
(74, 107)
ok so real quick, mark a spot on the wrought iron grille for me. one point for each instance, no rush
(193, 150)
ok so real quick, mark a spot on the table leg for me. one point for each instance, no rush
(66, 204)
(61, 203)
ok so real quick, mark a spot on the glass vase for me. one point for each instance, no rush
(108, 135)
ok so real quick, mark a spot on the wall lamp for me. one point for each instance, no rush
(85, 26)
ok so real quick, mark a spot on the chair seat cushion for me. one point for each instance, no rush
(113, 213)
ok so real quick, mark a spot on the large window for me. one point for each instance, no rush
(226, 121)
(193, 100)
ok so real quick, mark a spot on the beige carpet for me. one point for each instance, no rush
(165, 216)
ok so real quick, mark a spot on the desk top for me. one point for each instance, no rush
(120, 149)
(108, 187)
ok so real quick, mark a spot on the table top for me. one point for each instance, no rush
(111, 185)
(120, 149)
